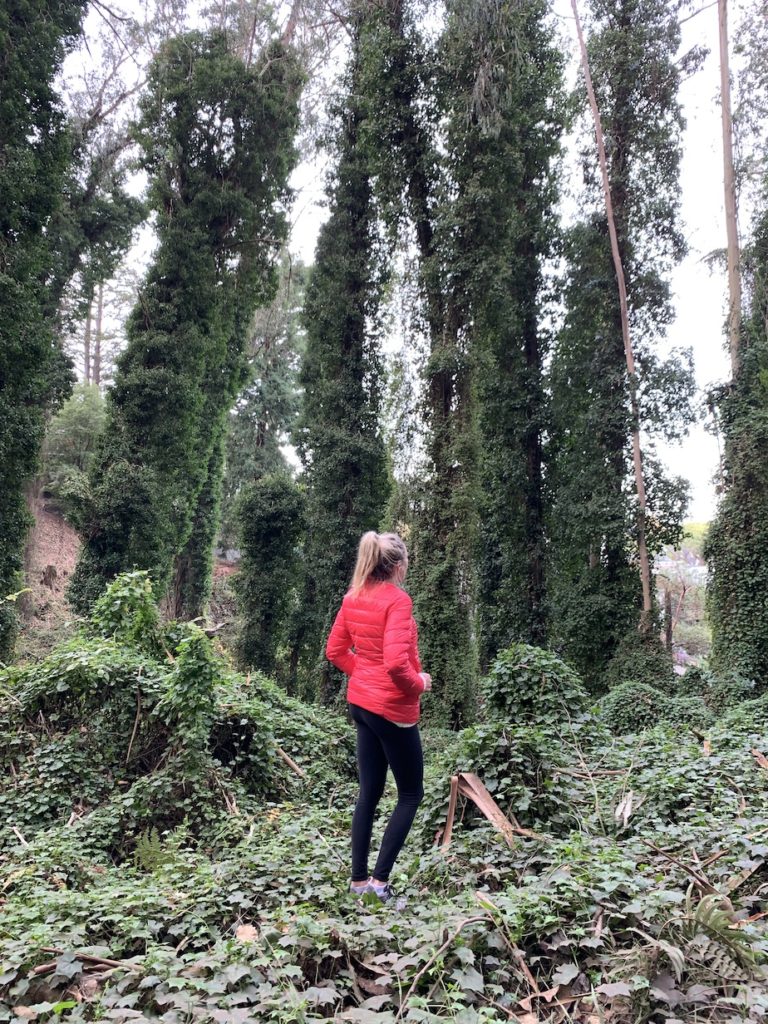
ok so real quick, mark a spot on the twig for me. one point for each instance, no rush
(19, 836)
(696, 13)
(334, 852)
(92, 959)
(290, 762)
(700, 880)
(435, 956)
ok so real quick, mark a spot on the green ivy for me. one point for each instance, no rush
(217, 142)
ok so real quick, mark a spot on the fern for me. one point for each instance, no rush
(150, 853)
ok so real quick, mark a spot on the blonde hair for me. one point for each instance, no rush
(378, 557)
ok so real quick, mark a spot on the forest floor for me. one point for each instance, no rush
(174, 847)
(52, 550)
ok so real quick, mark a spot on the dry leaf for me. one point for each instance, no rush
(246, 933)
(25, 1011)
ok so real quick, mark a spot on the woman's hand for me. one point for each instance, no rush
(426, 678)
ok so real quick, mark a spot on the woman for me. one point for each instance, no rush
(374, 641)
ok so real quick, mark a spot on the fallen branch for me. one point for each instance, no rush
(102, 961)
(19, 835)
(291, 763)
(470, 786)
(737, 880)
(598, 774)
(135, 724)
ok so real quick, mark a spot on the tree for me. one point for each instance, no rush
(217, 144)
(34, 154)
(737, 544)
(265, 412)
(502, 73)
(338, 435)
(414, 191)
(595, 585)
(271, 515)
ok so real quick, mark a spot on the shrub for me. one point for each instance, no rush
(641, 659)
(132, 726)
(633, 707)
(529, 684)
(719, 690)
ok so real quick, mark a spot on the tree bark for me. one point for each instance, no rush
(87, 344)
(637, 459)
(96, 371)
(729, 183)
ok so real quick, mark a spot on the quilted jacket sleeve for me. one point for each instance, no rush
(337, 650)
(398, 645)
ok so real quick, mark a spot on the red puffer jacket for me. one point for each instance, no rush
(374, 641)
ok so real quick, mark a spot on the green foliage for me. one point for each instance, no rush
(271, 514)
(221, 885)
(266, 409)
(127, 612)
(719, 691)
(131, 726)
(594, 573)
(503, 137)
(530, 685)
(338, 434)
(632, 706)
(217, 142)
(694, 537)
(640, 659)
(34, 376)
(70, 440)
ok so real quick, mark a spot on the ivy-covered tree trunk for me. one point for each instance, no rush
(504, 83)
(595, 586)
(338, 435)
(34, 155)
(272, 519)
(737, 544)
(405, 112)
(218, 143)
(194, 564)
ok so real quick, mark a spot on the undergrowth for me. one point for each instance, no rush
(175, 849)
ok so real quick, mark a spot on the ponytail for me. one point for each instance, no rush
(377, 558)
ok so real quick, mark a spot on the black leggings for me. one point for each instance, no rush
(381, 743)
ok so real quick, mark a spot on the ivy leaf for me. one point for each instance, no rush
(375, 1002)
(469, 979)
(321, 996)
(565, 974)
(67, 966)
(614, 989)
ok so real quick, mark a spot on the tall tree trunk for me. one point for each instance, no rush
(87, 344)
(96, 372)
(729, 183)
(637, 459)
